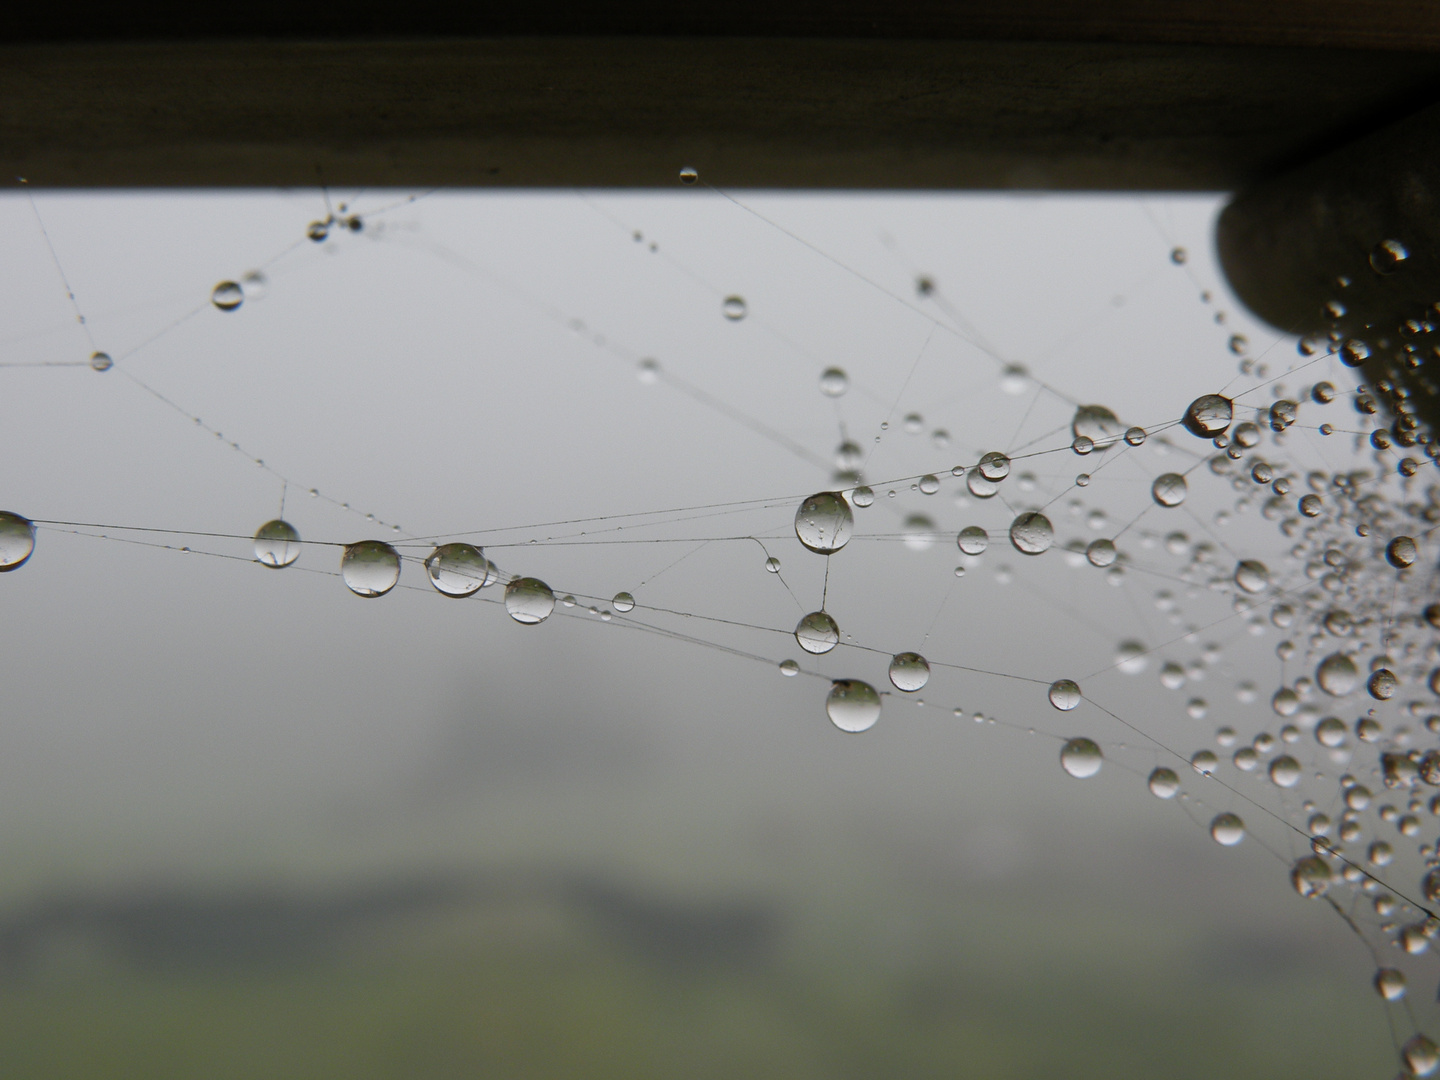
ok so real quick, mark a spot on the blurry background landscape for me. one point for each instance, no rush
(252, 825)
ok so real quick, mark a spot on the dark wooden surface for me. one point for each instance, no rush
(1080, 94)
(629, 112)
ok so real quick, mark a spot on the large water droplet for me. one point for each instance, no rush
(853, 706)
(817, 632)
(1337, 675)
(979, 486)
(1311, 876)
(1401, 552)
(994, 466)
(457, 570)
(370, 568)
(1227, 829)
(1389, 983)
(1386, 256)
(277, 544)
(1208, 416)
(529, 600)
(1421, 1056)
(1081, 758)
(1163, 782)
(1096, 423)
(623, 602)
(1252, 576)
(1065, 694)
(909, 671)
(1131, 658)
(253, 284)
(834, 382)
(919, 532)
(1014, 378)
(1382, 684)
(1285, 771)
(1031, 533)
(1101, 552)
(227, 296)
(973, 540)
(17, 540)
(1169, 489)
(862, 496)
(824, 521)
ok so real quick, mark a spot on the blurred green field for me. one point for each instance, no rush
(545, 986)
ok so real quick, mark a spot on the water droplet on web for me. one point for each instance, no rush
(817, 633)
(1065, 694)
(994, 466)
(318, 230)
(1285, 771)
(1169, 489)
(457, 570)
(1135, 436)
(862, 496)
(772, 564)
(1386, 256)
(277, 544)
(1082, 445)
(253, 284)
(1310, 505)
(1261, 472)
(1031, 533)
(1163, 783)
(1331, 732)
(824, 522)
(1389, 983)
(529, 600)
(1101, 552)
(1323, 393)
(1013, 379)
(973, 540)
(1252, 576)
(1382, 684)
(789, 668)
(370, 568)
(853, 706)
(1421, 1056)
(1130, 658)
(227, 296)
(733, 308)
(17, 540)
(1282, 415)
(1337, 675)
(101, 361)
(979, 486)
(834, 382)
(919, 532)
(1401, 552)
(1208, 416)
(929, 484)
(1204, 762)
(1096, 423)
(1178, 256)
(909, 671)
(688, 175)
(1227, 829)
(623, 601)
(1081, 758)
(1310, 876)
